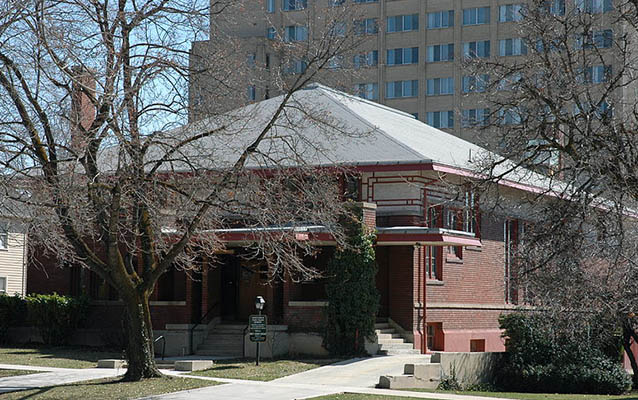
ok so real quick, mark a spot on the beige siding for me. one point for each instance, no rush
(12, 263)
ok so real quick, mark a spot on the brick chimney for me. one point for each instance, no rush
(82, 110)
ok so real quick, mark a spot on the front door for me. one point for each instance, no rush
(229, 285)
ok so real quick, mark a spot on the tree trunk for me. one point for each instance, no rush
(140, 351)
(627, 335)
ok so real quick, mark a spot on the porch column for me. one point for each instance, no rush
(419, 327)
(189, 300)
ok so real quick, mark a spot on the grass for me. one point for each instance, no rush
(61, 356)
(359, 396)
(14, 372)
(538, 396)
(109, 389)
(267, 370)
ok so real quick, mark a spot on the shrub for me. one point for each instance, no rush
(55, 316)
(13, 311)
(541, 358)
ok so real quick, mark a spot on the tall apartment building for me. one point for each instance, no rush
(413, 60)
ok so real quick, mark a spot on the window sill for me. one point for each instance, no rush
(434, 282)
(453, 260)
(474, 248)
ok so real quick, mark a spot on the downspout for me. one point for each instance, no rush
(424, 337)
(24, 264)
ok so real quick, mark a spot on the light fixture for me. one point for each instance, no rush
(259, 303)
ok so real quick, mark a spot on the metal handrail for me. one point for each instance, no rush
(163, 344)
(198, 323)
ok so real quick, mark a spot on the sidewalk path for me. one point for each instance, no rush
(49, 376)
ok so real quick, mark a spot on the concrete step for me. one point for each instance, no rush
(398, 352)
(385, 336)
(391, 341)
(396, 346)
(385, 330)
(406, 382)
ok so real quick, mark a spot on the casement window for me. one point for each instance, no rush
(291, 5)
(440, 52)
(594, 6)
(369, 91)
(4, 235)
(367, 26)
(475, 84)
(510, 13)
(367, 59)
(476, 16)
(512, 47)
(270, 6)
(400, 89)
(479, 49)
(402, 56)
(441, 19)
(440, 119)
(475, 117)
(402, 23)
(296, 33)
(440, 86)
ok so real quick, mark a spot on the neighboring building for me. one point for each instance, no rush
(445, 266)
(414, 58)
(13, 263)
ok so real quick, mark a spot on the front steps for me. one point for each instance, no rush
(223, 341)
(390, 341)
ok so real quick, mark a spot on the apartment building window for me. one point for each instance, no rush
(335, 62)
(510, 116)
(267, 63)
(296, 33)
(440, 52)
(554, 7)
(367, 26)
(540, 153)
(475, 84)
(594, 6)
(252, 93)
(296, 67)
(4, 235)
(367, 59)
(595, 74)
(271, 33)
(510, 13)
(440, 119)
(270, 6)
(335, 3)
(512, 47)
(403, 56)
(510, 82)
(476, 49)
(369, 91)
(399, 89)
(250, 60)
(598, 39)
(476, 16)
(291, 5)
(601, 111)
(475, 117)
(441, 19)
(440, 86)
(403, 23)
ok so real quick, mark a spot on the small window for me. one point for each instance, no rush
(3, 284)
(477, 345)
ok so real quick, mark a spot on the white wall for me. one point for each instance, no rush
(13, 263)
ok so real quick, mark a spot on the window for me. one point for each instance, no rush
(368, 59)
(440, 52)
(475, 117)
(250, 60)
(510, 116)
(290, 5)
(267, 64)
(3, 284)
(477, 345)
(369, 91)
(368, 26)
(440, 86)
(599, 39)
(339, 29)
(471, 213)
(296, 67)
(601, 111)
(403, 56)
(270, 6)
(476, 16)
(475, 84)
(271, 33)
(510, 241)
(335, 3)
(510, 13)
(440, 119)
(510, 82)
(594, 6)
(398, 89)
(595, 74)
(4, 235)
(335, 62)
(296, 33)
(433, 260)
(554, 7)
(476, 49)
(512, 47)
(540, 153)
(252, 93)
(366, 1)
(441, 19)
(403, 23)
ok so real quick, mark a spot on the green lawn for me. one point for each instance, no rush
(358, 396)
(267, 370)
(110, 388)
(61, 356)
(14, 372)
(538, 396)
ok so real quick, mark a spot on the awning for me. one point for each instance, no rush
(413, 235)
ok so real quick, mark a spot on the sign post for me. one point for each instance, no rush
(257, 326)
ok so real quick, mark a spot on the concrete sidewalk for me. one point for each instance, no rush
(49, 376)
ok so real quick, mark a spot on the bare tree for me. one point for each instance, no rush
(566, 108)
(93, 95)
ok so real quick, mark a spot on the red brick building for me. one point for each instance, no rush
(444, 264)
